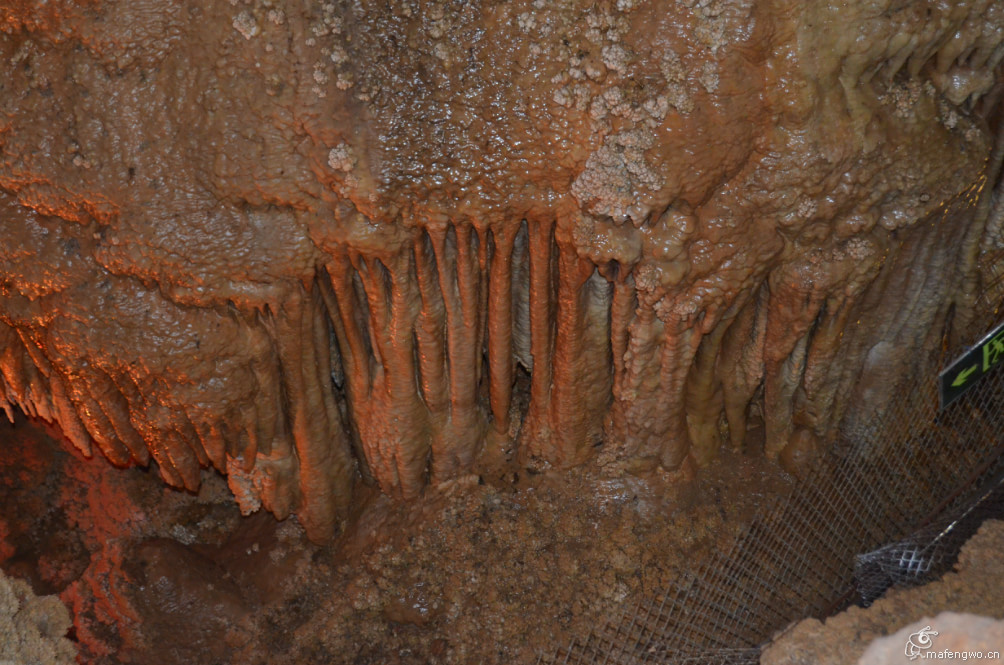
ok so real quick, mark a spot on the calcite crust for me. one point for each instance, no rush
(304, 243)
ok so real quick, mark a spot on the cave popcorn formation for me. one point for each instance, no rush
(328, 244)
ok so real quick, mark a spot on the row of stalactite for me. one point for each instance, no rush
(394, 364)
(428, 339)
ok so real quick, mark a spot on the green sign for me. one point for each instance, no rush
(965, 372)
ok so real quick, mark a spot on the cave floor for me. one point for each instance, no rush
(494, 567)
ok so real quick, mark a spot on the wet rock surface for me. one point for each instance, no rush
(316, 242)
(485, 296)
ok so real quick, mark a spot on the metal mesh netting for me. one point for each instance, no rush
(930, 551)
(891, 505)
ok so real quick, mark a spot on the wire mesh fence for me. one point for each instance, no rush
(890, 505)
(932, 550)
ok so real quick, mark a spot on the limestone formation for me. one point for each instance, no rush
(32, 628)
(306, 243)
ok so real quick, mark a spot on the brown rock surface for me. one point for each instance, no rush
(308, 242)
(492, 569)
(343, 252)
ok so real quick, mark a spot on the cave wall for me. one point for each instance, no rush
(306, 243)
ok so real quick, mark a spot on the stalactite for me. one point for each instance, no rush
(915, 297)
(40, 400)
(621, 307)
(678, 351)
(38, 368)
(100, 429)
(116, 408)
(456, 261)
(336, 289)
(536, 432)
(276, 477)
(796, 299)
(705, 399)
(596, 365)
(341, 468)
(782, 377)
(634, 414)
(321, 447)
(345, 308)
(131, 405)
(820, 381)
(520, 288)
(742, 364)
(182, 461)
(622, 311)
(573, 399)
(6, 402)
(247, 436)
(173, 454)
(413, 436)
(403, 333)
(499, 316)
(484, 249)
(986, 224)
(186, 430)
(871, 299)
(212, 443)
(8, 338)
(164, 462)
(372, 276)
(13, 369)
(273, 472)
(465, 364)
(67, 416)
(429, 341)
(391, 419)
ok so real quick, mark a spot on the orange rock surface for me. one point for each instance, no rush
(307, 242)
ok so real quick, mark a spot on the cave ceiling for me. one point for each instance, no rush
(309, 244)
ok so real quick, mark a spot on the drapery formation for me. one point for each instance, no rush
(350, 241)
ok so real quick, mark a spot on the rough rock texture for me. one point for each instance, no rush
(303, 241)
(32, 629)
(493, 570)
(976, 587)
(93, 534)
